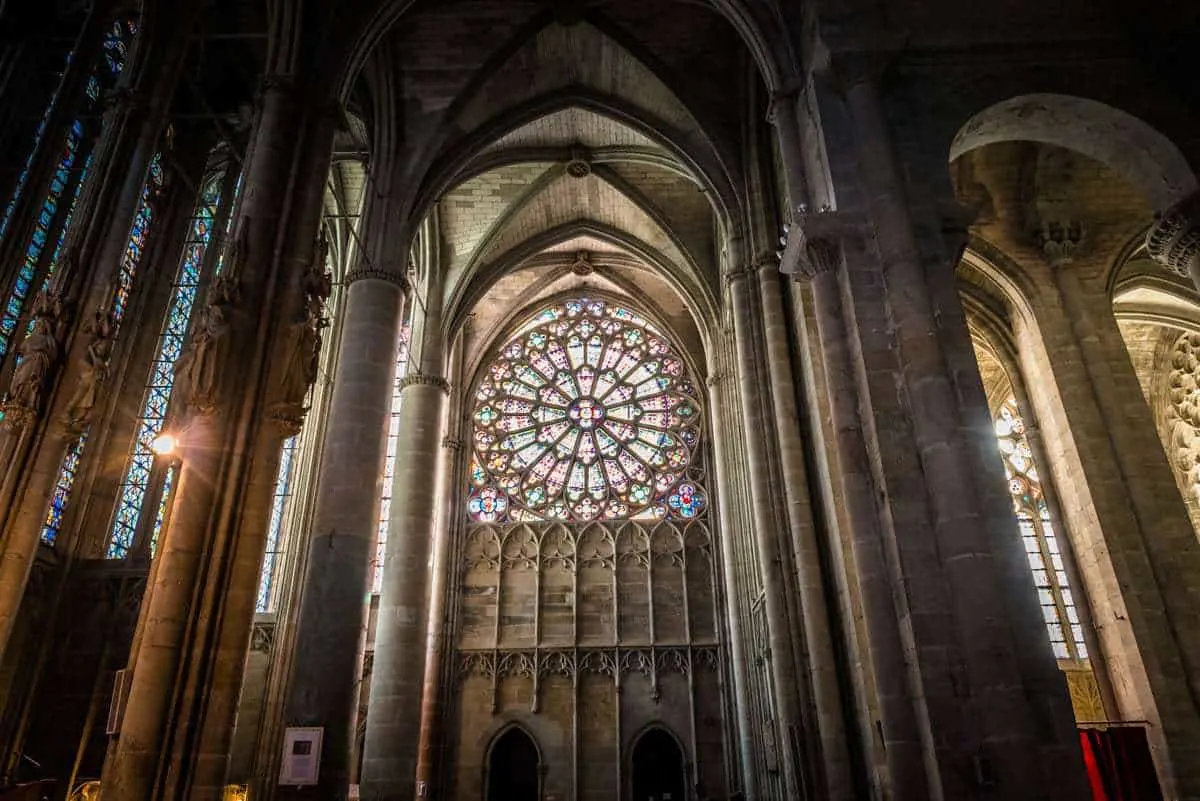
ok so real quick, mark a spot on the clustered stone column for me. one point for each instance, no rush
(775, 586)
(392, 747)
(324, 689)
(837, 782)
(195, 623)
(74, 314)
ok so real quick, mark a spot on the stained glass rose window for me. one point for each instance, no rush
(586, 413)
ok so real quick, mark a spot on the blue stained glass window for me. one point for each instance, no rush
(389, 459)
(37, 243)
(135, 247)
(133, 490)
(279, 501)
(62, 491)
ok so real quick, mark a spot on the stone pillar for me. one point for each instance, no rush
(783, 658)
(450, 516)
(982, 657)
(1174, 241)
(194, 628)
(132, 127)
(901, 738)
(739, 657)
(391, 749)
(821, 663)
(336, 588)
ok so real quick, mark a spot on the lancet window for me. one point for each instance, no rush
(279, 506)
(131, 260)
(54, 215)
(140, 473)
(389, 459)
(1046, 559)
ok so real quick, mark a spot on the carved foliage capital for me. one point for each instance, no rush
(374, 274)
(421, 379)
(1174, 240)
(814, 242)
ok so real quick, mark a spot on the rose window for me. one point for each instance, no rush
(585, 414)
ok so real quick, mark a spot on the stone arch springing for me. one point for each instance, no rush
(1142, 155)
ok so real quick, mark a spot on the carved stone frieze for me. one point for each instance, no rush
(1174, 240)
(374, 274)
(423, 380)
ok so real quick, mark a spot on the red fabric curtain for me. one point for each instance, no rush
(1119, 765)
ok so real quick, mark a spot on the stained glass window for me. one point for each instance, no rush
(585, 414)
(279, 500)
(1041, 545)
(62, 491)
(389, 459)
(135, 246)
(43, 227)
(24, 176)
(134, 488)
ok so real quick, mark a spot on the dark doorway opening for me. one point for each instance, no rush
(658, 768)
(513, 768)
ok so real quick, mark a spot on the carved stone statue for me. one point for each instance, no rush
(37, 354)
(94, 370)
(198, 368)
(304, 344)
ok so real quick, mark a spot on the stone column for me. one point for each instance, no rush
(739, 658)
(983, 680)
(450, 517)
(336, 586)
(192, 613)
(783, 659)
(132, 127)
(901, 737)
(810, 581)
(391, 749)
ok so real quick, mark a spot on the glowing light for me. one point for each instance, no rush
(165, 444)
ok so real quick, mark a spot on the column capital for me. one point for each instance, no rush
(421, 379)
(738, 272)
(813, 243)
(375, 274)
(715, 379)
(1174, 239)
(452, 444)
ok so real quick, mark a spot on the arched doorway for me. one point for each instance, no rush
(658, 773)
(513, 768)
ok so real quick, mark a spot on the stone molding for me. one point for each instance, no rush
(420, 379)
(813, 242)
(373, 274)
(652, 661)
(1174, 239)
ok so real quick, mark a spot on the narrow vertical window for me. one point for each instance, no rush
(389, 460)
(1041, 545)
(49, 223)
(279, 503)
(130, 261)
(136, 483)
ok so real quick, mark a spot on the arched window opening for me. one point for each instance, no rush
(265, 600)
(514, 768)
(389, 459)
(131, 260)
(658, 768)
(586, 414)
(1046, 559)
(53, 219)
(140, 475)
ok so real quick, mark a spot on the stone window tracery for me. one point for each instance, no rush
(586, 414)
(1046, 560)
